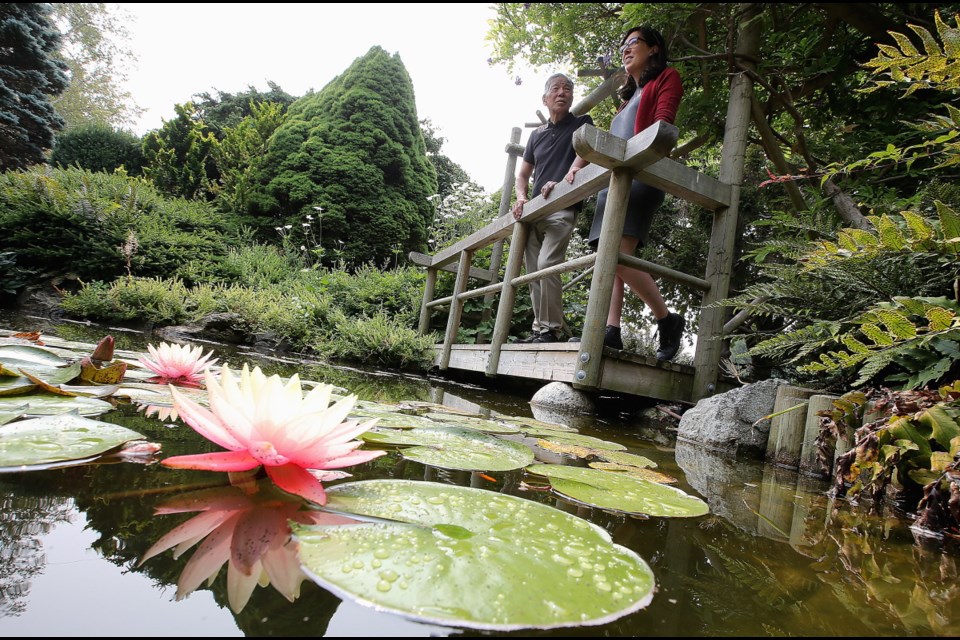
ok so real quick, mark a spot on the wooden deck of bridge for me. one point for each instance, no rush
(621, 371)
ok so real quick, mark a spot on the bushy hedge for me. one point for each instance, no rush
(99, 226)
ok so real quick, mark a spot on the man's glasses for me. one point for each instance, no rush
(629, 43)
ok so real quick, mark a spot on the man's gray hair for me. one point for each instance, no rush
(546, 86)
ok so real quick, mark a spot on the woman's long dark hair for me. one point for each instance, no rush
(658, 61)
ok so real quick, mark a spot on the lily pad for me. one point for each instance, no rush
(15, 386)
(44, 404)
(573, 450)
(619, 492)
(527, 423)
(454, 448)
(472, 558)
(622, 457)
(472, 422)
(52, 439)
(49, 379)
(12, 412)
(582, 440)
(634, 471)
(28, 355)
(394, 420)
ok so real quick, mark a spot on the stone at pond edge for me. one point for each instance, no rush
(724, 422)
(560, 402)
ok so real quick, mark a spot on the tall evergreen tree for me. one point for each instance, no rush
(355, 149)
(29, 75)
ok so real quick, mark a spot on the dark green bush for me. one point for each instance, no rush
(98, 147)
(100, 226)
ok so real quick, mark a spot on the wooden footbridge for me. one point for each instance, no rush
(615, 163)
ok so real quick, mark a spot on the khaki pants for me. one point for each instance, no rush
(547, 246)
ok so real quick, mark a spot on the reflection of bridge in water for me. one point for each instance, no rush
(588, 365)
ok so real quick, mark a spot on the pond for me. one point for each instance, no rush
(774, 556)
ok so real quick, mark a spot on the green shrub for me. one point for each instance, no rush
(12, 277)
(100, 226)
(98, 147)
(378, 341)
(370, 291)
(153, 299)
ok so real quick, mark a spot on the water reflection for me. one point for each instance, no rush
(24, 521)
(774, 557)
(244, 525)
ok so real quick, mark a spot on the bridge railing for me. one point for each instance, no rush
(615, 163)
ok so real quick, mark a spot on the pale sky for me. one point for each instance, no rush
(184, 49)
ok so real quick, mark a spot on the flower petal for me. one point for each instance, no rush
(255, 532)
(208, 558)
(298, 481)
(195, 528)
(220, 461)
(357, 457)
(204, 422)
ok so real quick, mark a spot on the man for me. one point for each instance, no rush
(548, 157)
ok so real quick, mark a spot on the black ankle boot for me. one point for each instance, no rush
(612, 339)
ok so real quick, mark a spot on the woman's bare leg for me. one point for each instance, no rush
(641, 284)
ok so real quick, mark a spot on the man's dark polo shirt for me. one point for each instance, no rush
(550, 150)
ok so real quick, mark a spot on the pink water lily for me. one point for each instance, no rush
(247, 529)
(264, 421)
(177, 364)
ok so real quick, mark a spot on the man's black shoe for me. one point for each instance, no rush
(671, 332)
(546, 336)
(530, 338)
(612, 338)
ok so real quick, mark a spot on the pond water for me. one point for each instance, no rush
(774, 557)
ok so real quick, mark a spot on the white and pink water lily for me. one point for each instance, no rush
(177, 364)
(263, 421)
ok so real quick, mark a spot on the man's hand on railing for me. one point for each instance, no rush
(547, 188)
(518, 208)
(572, 174)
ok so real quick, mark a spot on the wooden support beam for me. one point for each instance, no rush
(456, 308)
(423, 260)
(666, 273)
(428, 289)
(508, 295)
(687, 184)
(587, 375)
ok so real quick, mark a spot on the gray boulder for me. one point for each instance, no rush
(724, 422)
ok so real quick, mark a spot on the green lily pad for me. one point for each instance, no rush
(527, 423)
(45, 404)
(12, 412)
(454, 448)
(472, 558)
(28, 355)
(16, 386)
(472, 422)
(624, 458)
(582, 440)
(619, 492)
(394, 420)
(53, 439)
(49, 379)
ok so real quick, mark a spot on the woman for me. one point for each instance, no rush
(652, 92)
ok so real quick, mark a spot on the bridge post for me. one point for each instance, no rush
(723, 237)
(587, 372)
(508, 295)
(456, 307)
(496, 253)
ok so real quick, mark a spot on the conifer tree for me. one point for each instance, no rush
(354, 149)
(29, 75)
